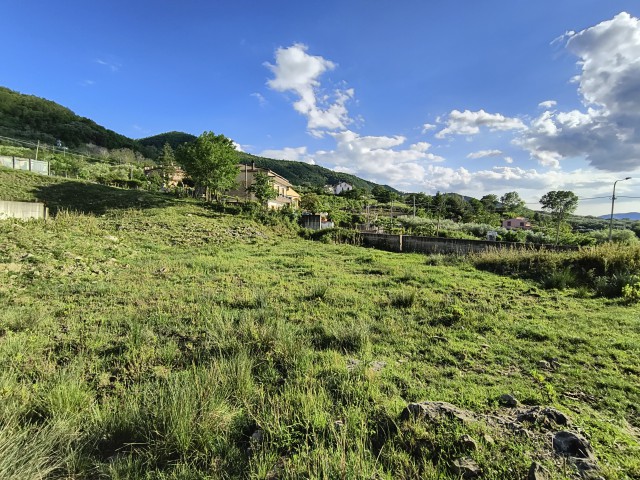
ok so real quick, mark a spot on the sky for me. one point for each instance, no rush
(474, 97)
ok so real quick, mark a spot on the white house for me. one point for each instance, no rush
(342, 187)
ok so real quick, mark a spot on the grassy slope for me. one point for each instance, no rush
(155, 339)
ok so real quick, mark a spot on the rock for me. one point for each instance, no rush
(572, 445)
(555, 416)
(488, 439)
(467, 443)
(378, 365)
(352, 363)
(111, 238)
(507, 400)
(255, 440)
(588, 468)
(543, 364)
(537, 472)
(466, 468)
(436, 411)
(543, 416)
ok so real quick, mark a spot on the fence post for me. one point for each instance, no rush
(400, 242)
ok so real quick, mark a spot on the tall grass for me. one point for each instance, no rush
(606, 268)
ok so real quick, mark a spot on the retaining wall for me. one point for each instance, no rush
(23, 210)
(410, 243)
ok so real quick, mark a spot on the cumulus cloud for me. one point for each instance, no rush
(428, 126)
(298, 72)
(485, 154)
(294, 154)
(607, 133)
(469, 123)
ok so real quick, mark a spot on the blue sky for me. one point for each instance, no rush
(473, 97)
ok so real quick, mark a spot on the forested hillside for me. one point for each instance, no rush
(304, 174)
(33, 118)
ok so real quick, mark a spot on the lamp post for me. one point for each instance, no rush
(613, 200)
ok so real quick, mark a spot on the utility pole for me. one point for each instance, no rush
(37, 149)
(613, 200)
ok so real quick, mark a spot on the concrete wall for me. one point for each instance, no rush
(23, 210)
(409, 243)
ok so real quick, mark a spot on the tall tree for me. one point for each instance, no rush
(560, 204)
(212, 162)
(512, 203)
(167, 158)
(262, 188)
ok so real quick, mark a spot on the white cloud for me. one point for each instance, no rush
(383, 159)
(548, 104)
(238, 147)
(485, 154)
(294, 154)
(508, 160)
(112, 65)
(428, 126)
(469, 123)
(607, 134)
(261, 100)
(298, 72)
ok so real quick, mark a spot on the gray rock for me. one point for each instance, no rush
(543, 364)
(546, 417)
(555, 416)
(436, 411)
(466, 468)
(467, 443)
(507, 400)
(537, 472)
(255, 440)
(572, 445)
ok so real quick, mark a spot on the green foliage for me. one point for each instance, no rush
(211, 161)
(512, 204)
(560, 204)
(631, 292)
(262, 188)
(383, 195)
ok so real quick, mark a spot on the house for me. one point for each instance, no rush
(172, 176)
(516, 223)
(342, 187)
(246, 175)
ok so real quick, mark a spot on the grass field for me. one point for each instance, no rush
(150, 338)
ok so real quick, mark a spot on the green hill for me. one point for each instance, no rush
(175, 139)
(33, 118)
(307, 175)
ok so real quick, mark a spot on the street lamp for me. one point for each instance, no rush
(613, 199)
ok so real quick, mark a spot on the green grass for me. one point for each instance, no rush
(155, 341)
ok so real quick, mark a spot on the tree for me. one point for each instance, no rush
(312, 202)
(262, 188)
(489, 201)
(212, 162)
(512, 203)
(560, 204)
(383, 195)
(167, 158)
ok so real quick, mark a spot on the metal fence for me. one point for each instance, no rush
(28, 164)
